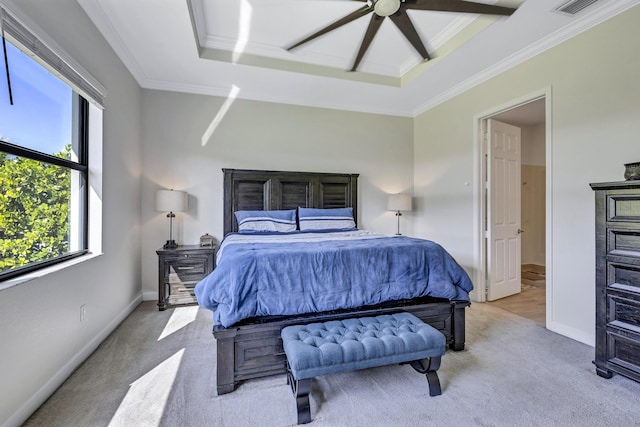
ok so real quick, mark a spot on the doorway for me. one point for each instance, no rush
(531, 116)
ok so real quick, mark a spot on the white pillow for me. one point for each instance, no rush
(279, 221)
(326, 219)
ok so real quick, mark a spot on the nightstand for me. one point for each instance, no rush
(179, 271)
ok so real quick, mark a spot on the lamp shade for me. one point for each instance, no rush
(171, 201)
(399, 202)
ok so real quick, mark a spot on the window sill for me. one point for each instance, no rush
(46, 271)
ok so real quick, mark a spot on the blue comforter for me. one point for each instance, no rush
(285, 274)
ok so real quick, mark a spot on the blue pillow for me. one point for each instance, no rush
(326, 219)
(280, 221)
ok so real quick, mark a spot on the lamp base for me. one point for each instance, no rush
(171, 244)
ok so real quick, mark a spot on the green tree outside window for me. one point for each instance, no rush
(34, 210)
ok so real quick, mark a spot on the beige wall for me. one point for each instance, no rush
(259, 135)
(533, 145)
(533, 203)
(594, 110)
(533, 212)
(42, 338)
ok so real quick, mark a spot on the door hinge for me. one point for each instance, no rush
(486, 289)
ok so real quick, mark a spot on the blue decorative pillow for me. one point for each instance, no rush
(281, 221)
(326, 219)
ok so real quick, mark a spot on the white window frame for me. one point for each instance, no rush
(31, 39)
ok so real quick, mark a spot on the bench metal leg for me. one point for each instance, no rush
(429, 367)
(301, 390)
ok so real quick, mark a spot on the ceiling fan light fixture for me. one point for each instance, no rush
(386, 7)
(396, 10)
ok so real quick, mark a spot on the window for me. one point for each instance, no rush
(44, 152)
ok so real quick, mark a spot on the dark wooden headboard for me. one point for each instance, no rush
(271, 190)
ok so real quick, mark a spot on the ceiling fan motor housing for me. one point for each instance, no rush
(386, 7)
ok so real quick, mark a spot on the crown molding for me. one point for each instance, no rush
(269, 97)
(100, 19)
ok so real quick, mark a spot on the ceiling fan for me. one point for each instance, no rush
(396, 10)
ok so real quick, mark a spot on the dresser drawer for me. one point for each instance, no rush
(623, 242)
(624, 351)
(623, 277)
(624, 311)
(624, 207)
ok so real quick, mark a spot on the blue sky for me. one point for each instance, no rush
(40, 117)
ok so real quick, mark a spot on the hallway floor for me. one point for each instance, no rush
(531, 302)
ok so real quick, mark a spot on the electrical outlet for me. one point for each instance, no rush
(83, 312)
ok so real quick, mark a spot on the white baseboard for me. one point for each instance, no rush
(574, 334)
(30, 406)
(150, 296)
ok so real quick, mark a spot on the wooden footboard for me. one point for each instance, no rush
(253, 348)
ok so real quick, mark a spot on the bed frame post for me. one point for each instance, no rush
(225, 369)
(458, 325)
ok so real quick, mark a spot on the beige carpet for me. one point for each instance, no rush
(157, 369)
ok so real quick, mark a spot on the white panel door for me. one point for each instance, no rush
(503, 213)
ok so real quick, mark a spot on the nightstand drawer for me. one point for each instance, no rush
(186, 257)
(185, 267)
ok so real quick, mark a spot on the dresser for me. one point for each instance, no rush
(179, 270)
(617, 279)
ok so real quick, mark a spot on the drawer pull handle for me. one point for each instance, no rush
(185, 268)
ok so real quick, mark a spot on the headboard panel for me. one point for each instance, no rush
(271, 190)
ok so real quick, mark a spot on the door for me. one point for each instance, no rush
(503, 210)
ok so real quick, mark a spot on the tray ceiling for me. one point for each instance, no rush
(222, 47)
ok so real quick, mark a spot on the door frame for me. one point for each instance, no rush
(480, 217)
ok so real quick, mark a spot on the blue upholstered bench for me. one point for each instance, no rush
(351, 344)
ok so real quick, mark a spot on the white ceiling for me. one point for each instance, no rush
(238, 48)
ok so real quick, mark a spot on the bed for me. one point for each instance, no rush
(247, 322)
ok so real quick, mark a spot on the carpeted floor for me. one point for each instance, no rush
(157, 369)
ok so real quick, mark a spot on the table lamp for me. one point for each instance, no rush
(399, 202)
(171, 201)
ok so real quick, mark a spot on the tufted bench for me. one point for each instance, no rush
(351, 344)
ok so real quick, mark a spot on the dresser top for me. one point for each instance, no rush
(619, 185)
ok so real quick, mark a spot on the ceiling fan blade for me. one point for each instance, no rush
(340, 22)
(404, 24)
(459, 6)
(372, 29)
